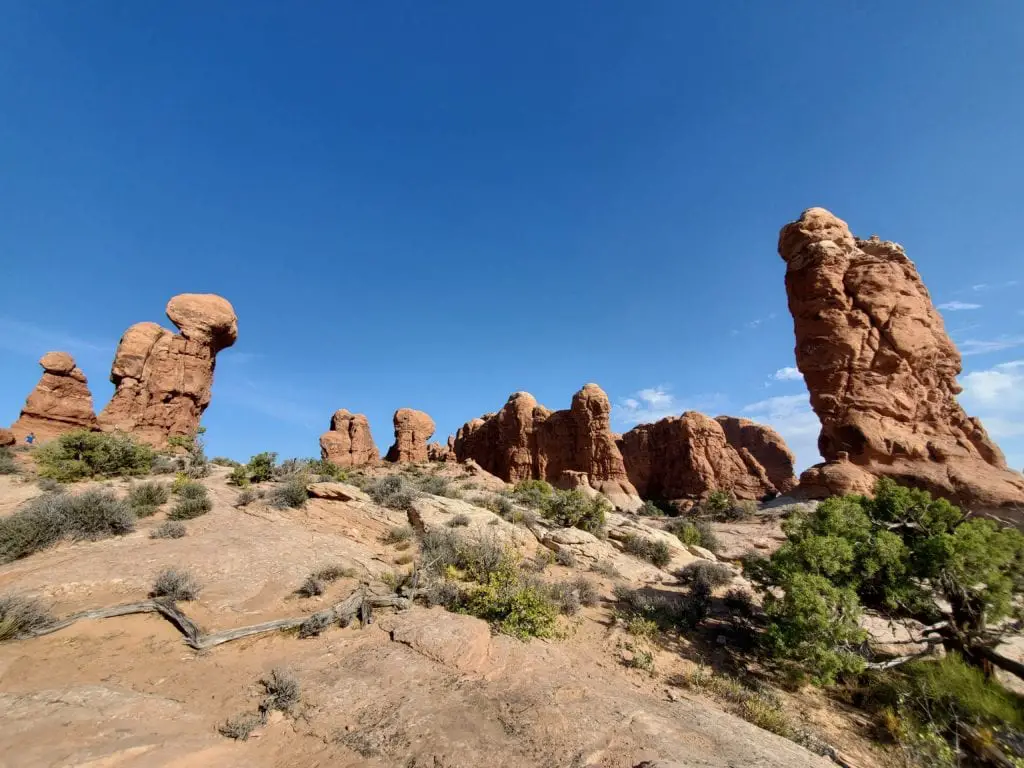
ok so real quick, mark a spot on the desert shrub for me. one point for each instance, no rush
(190, 489)
(542, 560)
(172, 529)
(694, 532)
(20, 615)
(668, 610)
(572, 594)
(45, 520)
(316, 582)
(289, 467)
(393, 491)
(398, 534)
(82, 454)
(475, 557)
(260, 468)
(148, 495)
(164, 465)
(445, 593)
(241, 726)
(48, 485)
(293, 492)
(653, 551)
(641, 627)
(175, 584)
(224, 461)
(712, 574)
(717, 504)
(572, 509)
(515, 606)
(532, 493)
(605, 569)
(196, 463)
(316, 624)
(641, 659)
(8, 466)
(246, 497)
(239, 476)
(565, 557)
(281, 691)
(437, 486)
(739, 603)
(502, 506)
(650, 509)
(458, 521)
(187, 509)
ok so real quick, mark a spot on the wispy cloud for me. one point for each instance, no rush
(980, 287)
(958, 306)
(792, 417)
(26, 338)
(984, 346)
(275, 400)
(654, 403)
(787, 374)
(753, 325)
(996, 396)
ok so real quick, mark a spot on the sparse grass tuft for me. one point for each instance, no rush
(282, 691)
(49, 485)
(643, 660)
(398, 535)
(653, 551)
(315, 584)
(20, 614)
(171, 529)
(438, 486)
(241, 726)
(640, 627)
(605, 569)
(565, 557)
(176, 585)
(459, 521)
(246, 497)
(8, 466)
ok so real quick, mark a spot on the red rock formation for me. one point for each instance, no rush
(881, 370)
(61, 401)
(765, 446)
(525, 440)
(438, 452)
(412, 431)
(349, 442)
(7, 438)
(163, 379)
(689, 456)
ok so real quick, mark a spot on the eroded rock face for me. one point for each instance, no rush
(163, 379)
(7, 438)
(349, 442)
(412, 431)
(525, 440)
(687, 457)
(881, 369)
(438, 452)
(61, 401)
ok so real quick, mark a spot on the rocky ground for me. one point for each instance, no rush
(420, 687)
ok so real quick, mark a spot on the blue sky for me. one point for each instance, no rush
(435, 205)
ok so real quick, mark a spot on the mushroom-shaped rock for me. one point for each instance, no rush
(412, 431)
(880, 368)
(61, 401)
(349, 442)
(162, 379)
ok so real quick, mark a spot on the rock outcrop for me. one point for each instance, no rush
(687, 457)
(349, 442)
(61, 401)
(881, 369)
(163, 379)
(438, 452)
(7, 438)
(412, 431)
(525, 440)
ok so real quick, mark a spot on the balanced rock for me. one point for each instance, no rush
(349, 442)
(881, 369)
(525, 440)
(687, 457)
(163, 379)
(61, 401)
(412, 431)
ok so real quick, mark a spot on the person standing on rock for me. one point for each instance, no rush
(30, 438)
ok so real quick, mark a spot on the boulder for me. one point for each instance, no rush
(337, 492)
(349, 442)
(162, 379)
(61, 401)
(7, 438)
(412, 431)
(525, 440)
(882, 370)
(687, 457)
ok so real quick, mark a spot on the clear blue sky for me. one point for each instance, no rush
(434, 205)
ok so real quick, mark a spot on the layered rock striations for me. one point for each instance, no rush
(61, 401)
(882, 371)
(525, 440)
(348, 443)
(163, 380)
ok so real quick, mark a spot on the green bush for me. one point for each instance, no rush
(191, 490)
(712, 574)
(437, 486)
(82, 454)
(718, 504)
(572, 509)
(8, 466)
(260, 468)
(515, 607)
(187, 509)
(532, 493)
(148, 495)
(20, 615)
(393, 491)
(650, 509)
(653, 551)
(325, 470)
(694, 533)
(239, 476)
(291, 493)
(45, 520)
(476, 557)
(224, 461)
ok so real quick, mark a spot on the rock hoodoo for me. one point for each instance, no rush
(687, 457)
(349, 442)
(438, 452)
(412, 431)
(525, 440)
(163, 379)
(61, 401)
(882, 371)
